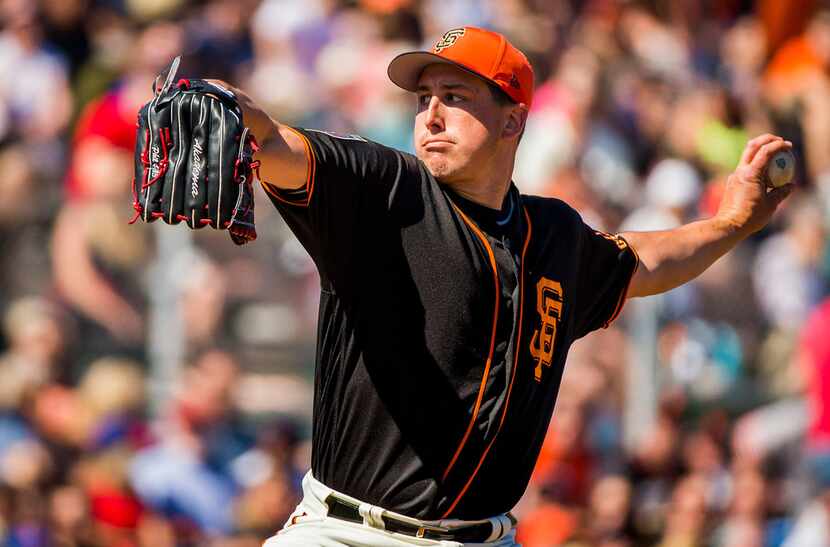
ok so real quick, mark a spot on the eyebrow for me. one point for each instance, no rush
(445, 86)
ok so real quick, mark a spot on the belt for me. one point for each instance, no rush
(472, 533)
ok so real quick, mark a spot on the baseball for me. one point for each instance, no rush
(780, 169)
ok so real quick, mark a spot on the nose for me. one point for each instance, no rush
(434, 115)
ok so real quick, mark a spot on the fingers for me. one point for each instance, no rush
(767, 150)
(756, 144)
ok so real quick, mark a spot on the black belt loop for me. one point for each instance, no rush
(473, 533)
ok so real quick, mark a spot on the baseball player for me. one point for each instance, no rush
(449, 299)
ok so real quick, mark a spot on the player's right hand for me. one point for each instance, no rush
(747, 205)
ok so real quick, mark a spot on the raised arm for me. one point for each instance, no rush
(282, 153)
(672, 257)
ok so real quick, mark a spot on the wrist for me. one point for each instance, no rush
(728, 227)
(261, 125)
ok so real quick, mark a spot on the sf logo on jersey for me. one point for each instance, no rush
(449, 38)
(549, 306)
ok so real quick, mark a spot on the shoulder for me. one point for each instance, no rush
(335, 135)
(550, 211)
(363, 152)
(349, 140)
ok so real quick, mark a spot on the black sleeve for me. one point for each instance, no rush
(350, 186)
(606, 266)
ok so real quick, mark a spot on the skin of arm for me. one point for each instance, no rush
(673, 257)
(667, 258)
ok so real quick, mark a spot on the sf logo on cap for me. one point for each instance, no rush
(449, 38)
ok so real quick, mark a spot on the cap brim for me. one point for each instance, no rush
(405, 69)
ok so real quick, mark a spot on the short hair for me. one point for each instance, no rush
(501, 98)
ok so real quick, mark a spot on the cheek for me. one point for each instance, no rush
(419, 127)
(474, 135)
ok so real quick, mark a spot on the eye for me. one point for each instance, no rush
(453, 98)
(423, 100)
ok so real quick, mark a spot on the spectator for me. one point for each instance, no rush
(641, 109)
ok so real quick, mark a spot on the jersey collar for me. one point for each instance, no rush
(492, 221)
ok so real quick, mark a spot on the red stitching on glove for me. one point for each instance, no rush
(163, 162)
(136, 204)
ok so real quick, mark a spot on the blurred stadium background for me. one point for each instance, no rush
(180, 417)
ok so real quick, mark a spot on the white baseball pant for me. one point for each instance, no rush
(310, 526)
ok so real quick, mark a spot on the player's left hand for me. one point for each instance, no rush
(748, 204)
(259, 122)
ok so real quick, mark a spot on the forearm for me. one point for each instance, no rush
(670, 258)
(673, 257)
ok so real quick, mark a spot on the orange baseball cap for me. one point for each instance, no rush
(485, 53)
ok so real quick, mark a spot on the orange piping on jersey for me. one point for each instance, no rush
(477, 406)
(515, 366)
(312, 162)
(271, 190)
(624, 294)
(310, 175)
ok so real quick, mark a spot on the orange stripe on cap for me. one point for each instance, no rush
(513, 374)
(489, 361)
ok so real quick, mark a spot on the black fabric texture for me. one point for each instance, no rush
(418, 408)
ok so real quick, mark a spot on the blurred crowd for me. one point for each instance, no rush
(642, 109)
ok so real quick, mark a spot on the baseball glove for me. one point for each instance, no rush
(194, 158)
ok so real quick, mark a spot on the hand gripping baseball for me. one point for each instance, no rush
(194, 159)
(747, 203)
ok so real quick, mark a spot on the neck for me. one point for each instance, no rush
(487, 188)
(489, 197)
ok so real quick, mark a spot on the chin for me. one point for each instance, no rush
(436, 166)
(439, 167)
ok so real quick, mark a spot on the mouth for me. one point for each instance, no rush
(436, 144)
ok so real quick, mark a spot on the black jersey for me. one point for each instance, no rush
(443, 329)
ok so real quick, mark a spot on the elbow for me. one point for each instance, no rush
(644, 282)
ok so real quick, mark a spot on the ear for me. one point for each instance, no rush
(514, 123)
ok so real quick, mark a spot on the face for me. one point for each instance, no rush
(459, 126)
